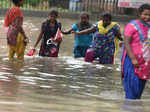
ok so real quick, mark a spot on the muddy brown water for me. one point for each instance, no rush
(62, 84)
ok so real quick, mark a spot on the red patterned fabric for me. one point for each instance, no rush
(11, 15)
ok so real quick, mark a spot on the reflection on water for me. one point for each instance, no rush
(62, 84)
(132, 106)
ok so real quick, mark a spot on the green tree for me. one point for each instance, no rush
(32, 2)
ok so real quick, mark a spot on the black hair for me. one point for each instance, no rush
(107, 15)
(53, 11)
(16, 2)
(143, 7)
(84, 14)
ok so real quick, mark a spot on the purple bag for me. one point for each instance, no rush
(12, 35)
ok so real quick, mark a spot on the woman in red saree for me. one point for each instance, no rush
(16, 37)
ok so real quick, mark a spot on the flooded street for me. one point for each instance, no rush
(62, 84)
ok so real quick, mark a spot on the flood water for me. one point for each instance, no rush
(62, 84)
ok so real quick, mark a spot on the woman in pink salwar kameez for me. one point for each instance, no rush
(136, 55)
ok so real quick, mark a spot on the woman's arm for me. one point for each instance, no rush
(87, 31)
(26, 39)
(127, 41)
(118, 34)
(39, 38)
(67, 32)
(19, 25)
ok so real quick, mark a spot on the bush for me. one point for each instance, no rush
(32, 2)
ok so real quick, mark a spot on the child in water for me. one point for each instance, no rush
(49, 46)
(16, 37)
(136, 55)
(82, 42)
(105, 43)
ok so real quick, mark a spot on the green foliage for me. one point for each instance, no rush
(5, 3)
(32, 2)
(62, 5)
